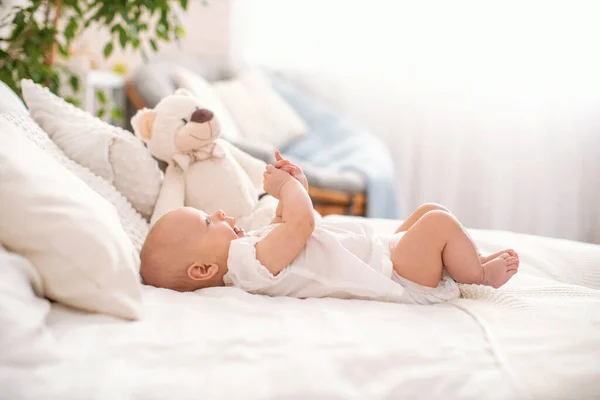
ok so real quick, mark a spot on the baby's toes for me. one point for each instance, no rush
(512, 253)
(512, 263)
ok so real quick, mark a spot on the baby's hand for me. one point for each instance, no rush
(274, 179)
(291, 168)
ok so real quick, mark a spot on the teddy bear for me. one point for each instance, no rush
(203, 171)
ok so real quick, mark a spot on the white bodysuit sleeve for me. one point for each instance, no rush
(245, 271)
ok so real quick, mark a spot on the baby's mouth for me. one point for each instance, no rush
(238, 231)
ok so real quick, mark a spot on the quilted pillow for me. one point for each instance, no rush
(133, 223)
(108, 151)
(71, 234)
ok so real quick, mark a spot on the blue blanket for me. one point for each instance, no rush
(335, 143)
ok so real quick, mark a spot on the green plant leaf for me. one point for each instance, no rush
(19, 25)
(161, 31)
(100, 113)
(62, 50)
(144, 54)
(74, 83)
(117, 114)
(72, 100)
(101, 96)
(54, 82)
(154, 44)
(184, 4)
(77, 8)
(71, 28)
(179, 31)
(122, 36)
(109, 18)
(108, 49)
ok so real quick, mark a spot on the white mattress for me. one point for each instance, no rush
(536, 338)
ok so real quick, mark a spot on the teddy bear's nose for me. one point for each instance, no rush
(202, 115)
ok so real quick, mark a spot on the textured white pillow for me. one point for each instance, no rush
(133, 223)
(109, 151)
(24, 339)
(71, 234)
(259, 111)
(186, 79)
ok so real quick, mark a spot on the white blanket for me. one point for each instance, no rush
(536, 338)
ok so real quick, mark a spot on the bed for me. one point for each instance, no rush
(536, 338)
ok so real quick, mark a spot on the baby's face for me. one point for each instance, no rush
(216, 229)
(188, 249)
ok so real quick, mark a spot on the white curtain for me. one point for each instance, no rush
(491, 108)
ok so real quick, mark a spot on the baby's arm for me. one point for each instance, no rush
(296, 172)
(281, 246)
(278, 214)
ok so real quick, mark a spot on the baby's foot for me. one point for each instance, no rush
(510, 252)
(498, 271)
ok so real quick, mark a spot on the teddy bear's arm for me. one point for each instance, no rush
(253, 166)
(172, 193)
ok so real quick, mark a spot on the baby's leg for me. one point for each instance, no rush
(438, 240)
(418, 213)
(425, 208)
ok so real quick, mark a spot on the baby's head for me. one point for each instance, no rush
(187, 250)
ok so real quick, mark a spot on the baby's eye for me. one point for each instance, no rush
(185, 121)
(208, 222)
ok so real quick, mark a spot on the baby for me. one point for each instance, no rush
(188, 249)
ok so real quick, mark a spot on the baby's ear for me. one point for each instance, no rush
(142, 123)
(184, 92)
(202, 272)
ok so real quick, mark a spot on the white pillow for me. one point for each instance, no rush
(108, 151)
(260, 112)
(133, 223)
(71, 234)
(24, 338)
(186, 79)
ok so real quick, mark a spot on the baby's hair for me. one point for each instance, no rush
(165, 257)
(165, 276)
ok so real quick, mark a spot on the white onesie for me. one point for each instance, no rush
(342, 259)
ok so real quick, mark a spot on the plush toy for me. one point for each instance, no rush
(203, 171)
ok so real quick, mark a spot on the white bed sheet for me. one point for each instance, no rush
(536, 338)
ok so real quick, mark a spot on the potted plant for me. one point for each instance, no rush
(39, 34)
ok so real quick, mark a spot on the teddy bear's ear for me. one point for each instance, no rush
(142, 123)
(184, 92)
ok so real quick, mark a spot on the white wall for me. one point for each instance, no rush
(491, 108)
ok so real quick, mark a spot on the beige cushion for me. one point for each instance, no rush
(259, 111)
(24, 339)
(109, 151)
(133, 223)
(71, 234)
(186, 79)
